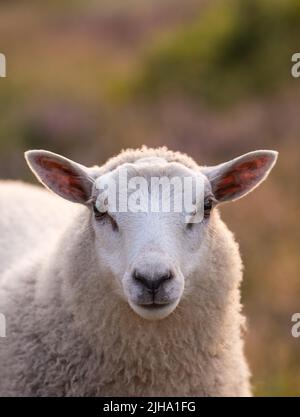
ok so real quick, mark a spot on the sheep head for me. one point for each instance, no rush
(151, 218)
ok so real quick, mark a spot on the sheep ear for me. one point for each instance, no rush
(236, 178)
(61, 175)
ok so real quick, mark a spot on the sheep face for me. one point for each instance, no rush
(153, 240)
(151, 244)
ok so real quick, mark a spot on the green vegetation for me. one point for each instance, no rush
(235, 49)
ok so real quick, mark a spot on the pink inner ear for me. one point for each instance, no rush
(240, 177)
(63, 178)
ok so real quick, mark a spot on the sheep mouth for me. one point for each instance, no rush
(154, 306)
(154, 310)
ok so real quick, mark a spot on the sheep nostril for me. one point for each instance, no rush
(167, 276)
(143, 279)
(157, 282)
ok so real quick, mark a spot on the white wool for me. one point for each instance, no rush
(71, 332)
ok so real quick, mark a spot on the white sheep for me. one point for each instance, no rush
(136, 304)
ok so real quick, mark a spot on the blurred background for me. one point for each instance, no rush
(210, 78)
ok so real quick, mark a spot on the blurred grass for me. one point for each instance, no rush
(234, 49)
(209, 78)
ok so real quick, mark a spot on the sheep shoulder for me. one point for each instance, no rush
(30, 216)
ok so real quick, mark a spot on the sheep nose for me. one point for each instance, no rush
(152, 282)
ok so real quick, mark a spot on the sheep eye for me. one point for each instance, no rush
(104, 216)
(207, 207)
(190, 226)
(99, 215)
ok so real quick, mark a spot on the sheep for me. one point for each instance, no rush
(122, 304)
